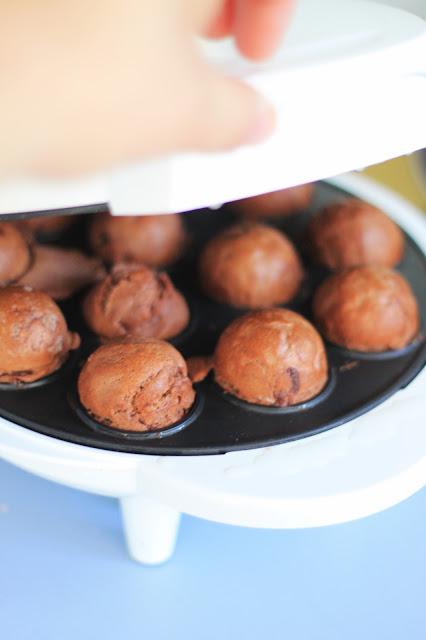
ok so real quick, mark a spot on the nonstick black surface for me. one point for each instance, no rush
(219, 422)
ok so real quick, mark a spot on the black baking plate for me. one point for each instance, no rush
(359, 381)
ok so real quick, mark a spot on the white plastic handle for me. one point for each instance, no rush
(364, 52)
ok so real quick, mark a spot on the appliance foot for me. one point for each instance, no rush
(150, 529)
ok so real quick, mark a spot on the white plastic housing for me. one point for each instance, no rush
(349, 86)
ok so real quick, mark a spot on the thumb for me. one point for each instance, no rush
(228, 114)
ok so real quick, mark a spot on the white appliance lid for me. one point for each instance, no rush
(349, 86)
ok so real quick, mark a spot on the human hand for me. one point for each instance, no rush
(86, 86)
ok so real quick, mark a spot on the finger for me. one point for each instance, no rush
(222, 24)
(259, 25)
(228, 113)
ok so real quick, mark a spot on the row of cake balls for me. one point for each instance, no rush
(366, 309)
(364, 305)
(272, 357)
(247, 265)
(343, 235)
(157, 241)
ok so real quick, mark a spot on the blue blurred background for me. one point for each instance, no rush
(65, 573)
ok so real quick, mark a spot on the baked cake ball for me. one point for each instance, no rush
(273, 357)
(251, 266)
(15, 253)
(136, 387)
(61, 272)
(276, 204)
(135, 302)
(354, 233)
(34, 336)
(44, 226)
(367, 309)
(152, 240)
(199, 367)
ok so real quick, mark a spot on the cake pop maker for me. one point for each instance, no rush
(219, 422)
(372, 460)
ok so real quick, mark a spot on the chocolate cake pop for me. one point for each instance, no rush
(136, 387)
(34, 337)
(61, 272)
(152, 240)
(45, 226)
(273, 357)
(199, 367)
(275, 204)
(354, 233)
(367, 309)
(250, 265)
(15, 253)
(134, 302)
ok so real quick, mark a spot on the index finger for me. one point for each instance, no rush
(258, 25)
(222, 24)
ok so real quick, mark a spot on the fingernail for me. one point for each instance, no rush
(263, 124)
